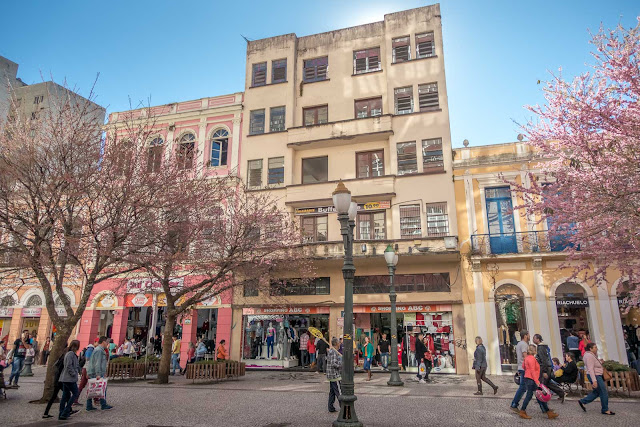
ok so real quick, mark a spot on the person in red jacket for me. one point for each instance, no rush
(532, 381)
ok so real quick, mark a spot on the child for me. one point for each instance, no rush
(556, 364)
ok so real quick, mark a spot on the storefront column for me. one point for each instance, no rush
(481, 313)
(119, 330)
(88, 329)
(16, 324)
(189, 335)
(223, 327)
(542, 308)
(494, 360)
(610, 337)
(617, 324)
(595, 325)
(235, 350)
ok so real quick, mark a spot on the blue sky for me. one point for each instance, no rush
(167, 51)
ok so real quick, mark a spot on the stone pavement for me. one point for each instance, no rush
(279, 399)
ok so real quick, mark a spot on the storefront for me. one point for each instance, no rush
(271, 334)
(630, 320)
(434, 321)
(511, 318)
(31, 316)
(6, 313)
(106, 305)
(573, 307)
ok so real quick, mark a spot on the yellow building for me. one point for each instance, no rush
(511, 266)
(366, 105)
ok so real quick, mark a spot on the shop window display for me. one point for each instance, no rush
(573, 309)
(629, 317)
(511, 319)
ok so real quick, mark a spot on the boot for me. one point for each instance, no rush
(495, 390)
(552, 414)
(523, 414)
(479, 392)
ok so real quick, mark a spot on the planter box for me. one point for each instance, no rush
(152, 367)
(622, 382)
(215, 371)
(124, 370)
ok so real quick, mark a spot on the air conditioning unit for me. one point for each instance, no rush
(451, 242)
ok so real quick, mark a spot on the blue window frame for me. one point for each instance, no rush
(219, 145)
(502, 233)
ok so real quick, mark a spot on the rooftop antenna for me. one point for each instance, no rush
(245, 39)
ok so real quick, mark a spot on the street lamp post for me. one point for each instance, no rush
(347, 211)
(392, 259)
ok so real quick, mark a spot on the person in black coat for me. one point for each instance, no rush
(569, 370)
(421, 349)
(57, 385)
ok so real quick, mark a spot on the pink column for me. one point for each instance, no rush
(223, 328)
(89, 325)
(189, 329)
(119, 330)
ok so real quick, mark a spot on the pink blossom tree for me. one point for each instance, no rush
(588, 132)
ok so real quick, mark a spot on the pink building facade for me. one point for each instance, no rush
(118, 309)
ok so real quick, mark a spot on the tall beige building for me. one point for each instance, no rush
(366, 105)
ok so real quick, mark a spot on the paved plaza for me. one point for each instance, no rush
(279, 399)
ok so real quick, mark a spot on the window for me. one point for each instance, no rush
(315, 169)
(370, 164)
(315, 69)
(316, 286)
(368, 107)
(367, 60)
(407, 159)
(401, 49)
(219, 147)
(256, 122)
(371, 226)
(432, 159)
(276, 171)
(425, 47)
(404, 100)
(429, 282)
(254, 177)
(279, 71)
(437, 219)
(259, 74)
(276, 117)
(316, 115)
(314, 229)
(38, 99)
(186, 148)
(250, 288)
(154, 154)
(410, 221)
(428, 97)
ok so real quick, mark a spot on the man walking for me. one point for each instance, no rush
(321, 348)
(521, 352)
(543, 354)
(175, 355)
(383, 349)
(97, 368)
(334, 369)
(18, 354)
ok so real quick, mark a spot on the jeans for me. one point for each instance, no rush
(303, 357)
(521, 390)
(321, 360)
(69, 395)
(384, 359)
(531, 387)
(312, 357)
(600, 391)
(334, 393)
(16, 368)
(56, 389)
(174, 363)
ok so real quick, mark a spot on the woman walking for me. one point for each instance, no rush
(367, 353)
(57, 385)
(191, 357)
(45, 351)
(221, 354)
(480, 366)
(532, 382)
(69, 380)
(595, 370)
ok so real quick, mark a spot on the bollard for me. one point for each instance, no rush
(26, 371)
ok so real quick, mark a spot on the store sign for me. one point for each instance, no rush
(212, 301)
(331, 209)
(6, 312)
(409, 319)
(107, 302)
(31, 311)
(286, 310)
(60, 311)
(572, 302)
(415, 308)
(141, 286)
(140, 300)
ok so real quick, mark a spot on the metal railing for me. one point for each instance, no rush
(522, 243)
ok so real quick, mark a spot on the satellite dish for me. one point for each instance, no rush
(465, 142)
(520, 137)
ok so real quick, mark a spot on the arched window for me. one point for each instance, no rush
(186, 149)
(219, 145)
(34, 301)
(7, 301)
(58, 300)
(511, 319)
(154, 155)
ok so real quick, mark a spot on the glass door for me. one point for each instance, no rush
(502, 237)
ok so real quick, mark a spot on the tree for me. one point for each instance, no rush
(589, 130)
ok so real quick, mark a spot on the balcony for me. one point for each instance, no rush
(340, 133)
(528, 242)
(362, 189)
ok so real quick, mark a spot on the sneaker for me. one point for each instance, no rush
(477, 393)
(106, 407)
(91, 408)
(73, 411)
(495, 390)
(422, 382)
(515, 409)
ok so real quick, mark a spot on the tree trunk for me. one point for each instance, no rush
(167, 342)
(56, 351)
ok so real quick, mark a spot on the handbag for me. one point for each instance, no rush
(96, 388)
(606, 375)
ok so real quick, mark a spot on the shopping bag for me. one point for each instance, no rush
(96, 388)
(423, 368)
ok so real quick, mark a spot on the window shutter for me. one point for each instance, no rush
(432, 156)
(425, 45)
(255, 173)
(401, 51)
(404, 100)
(259, 74)
(279, 70)
(428, 96)
(407, 160)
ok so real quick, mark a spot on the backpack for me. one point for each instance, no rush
(59, 365)
(83, 358)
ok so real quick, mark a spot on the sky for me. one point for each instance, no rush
(165, 51)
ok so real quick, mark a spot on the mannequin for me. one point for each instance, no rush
(260, 338)
(281, 340)
(271, 336)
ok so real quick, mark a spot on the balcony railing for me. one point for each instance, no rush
(517, 243)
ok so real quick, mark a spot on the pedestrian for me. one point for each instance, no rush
(480, 366)
(543, 355)
(573, 345)
(175, 355)
(532, 382)
(420, 351)
(595, 371)
(69, 381)
(35, 345)
(428, 358)
(112, 349)
(584, 340)
(367, 353)
(97, 368)
(46, 350)
(341, 346)
(383, 349)
(304, 353)
(569, 370)
(521, 352)
(128, 348)
(157, 345)
(57, 386)
(191, 357)
(16, 358)
(334, 369)
(221, 352)
(311, 349)
(321, 348)
(84, 378)
(201, 350)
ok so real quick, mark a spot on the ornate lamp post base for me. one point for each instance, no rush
(395, 380)
(347, 415)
